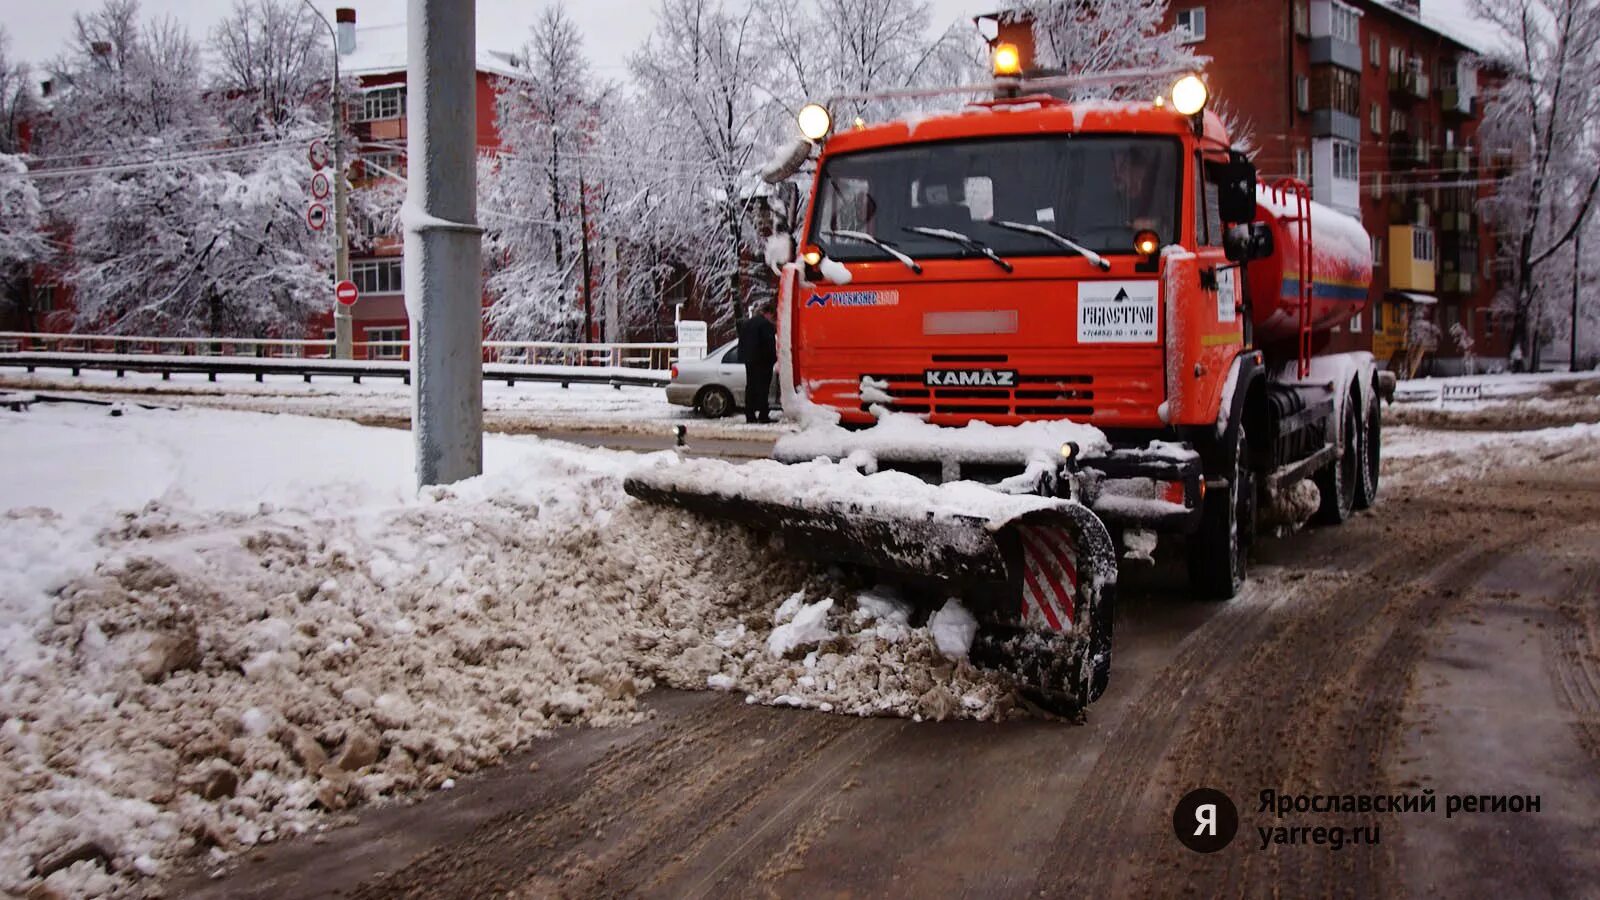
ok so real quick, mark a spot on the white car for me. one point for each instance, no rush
(714, 386)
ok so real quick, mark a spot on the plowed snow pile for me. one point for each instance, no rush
(217, 627)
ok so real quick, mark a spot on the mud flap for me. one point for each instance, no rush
(1040, 582)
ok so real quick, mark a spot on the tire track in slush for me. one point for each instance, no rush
(1113, 811)
(1321, 707)
(642, 797)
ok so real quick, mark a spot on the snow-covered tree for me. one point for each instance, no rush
(23, 236)
(178, 224)
(1090, 36)
(270, 61)
(538, 238)
(699, 74)
(16, 96)
(1542, 113)
(831, 47)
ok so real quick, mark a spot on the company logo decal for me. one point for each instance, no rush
(854, 298)
(1117, 312)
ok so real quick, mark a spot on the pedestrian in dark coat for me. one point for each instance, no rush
(758, 348)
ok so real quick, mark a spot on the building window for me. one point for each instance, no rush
(1302, 163)
(1377, 255)
(1397, 121)
(380, 163)
(1355, 324)
(377, 276)
(1346, 24)
(1377, 316)
(1346, 161)
(1302, 93)
(1397, 59)
(44, 298)
(1191, 25)
(1375, 51)
(1376, 117)
(1422, 245)
(1347, 92)
(383, 103)
(394, 351)
(1377, 185)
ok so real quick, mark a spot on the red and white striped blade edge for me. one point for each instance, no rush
(1049, 578)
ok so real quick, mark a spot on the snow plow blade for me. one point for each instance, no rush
(1038, 573)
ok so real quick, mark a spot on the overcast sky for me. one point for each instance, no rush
(611, 28)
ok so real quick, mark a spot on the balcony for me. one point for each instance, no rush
(1332, 50)
(1335, 123)
(1408, 85)
(1456, 283)
(1406, 153)
(1456, 102)
(1411, 259)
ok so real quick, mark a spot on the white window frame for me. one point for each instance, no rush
(385, 333)
(1346, 161)
(1184, 22)
(1377, 251)
(1302, 163)
(382, 103)
(1346, 24)
(1302, 93)
(378, 276)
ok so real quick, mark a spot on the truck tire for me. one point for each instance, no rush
(1371, 456)
(1337, 480)
(1219, 553)
(714, 403)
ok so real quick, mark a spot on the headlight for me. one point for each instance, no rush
(812, 256)
(1146, 243)
(1189, 95)
(815, 122)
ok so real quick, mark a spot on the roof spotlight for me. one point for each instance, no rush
(1189, 95)
(815, 122)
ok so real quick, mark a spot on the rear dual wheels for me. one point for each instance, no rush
(1371, 456)
(1219, 553)
(1338, 481)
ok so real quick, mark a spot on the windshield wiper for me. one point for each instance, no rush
(1095, 259)
(864, 238)
(969, 243)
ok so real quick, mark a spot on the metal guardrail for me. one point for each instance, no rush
(355, 370)
(634, 355)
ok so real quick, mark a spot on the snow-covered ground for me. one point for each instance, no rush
(523, 406)
(218, 626)
(1463, 389)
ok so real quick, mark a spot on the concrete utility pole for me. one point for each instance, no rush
(342, 326)
(443, 274)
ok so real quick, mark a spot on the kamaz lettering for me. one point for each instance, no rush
(970, 378)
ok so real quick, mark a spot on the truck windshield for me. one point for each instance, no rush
(1096, 191)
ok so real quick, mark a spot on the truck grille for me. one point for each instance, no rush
(1034, 395)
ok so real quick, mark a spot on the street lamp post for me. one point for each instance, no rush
(342, 324)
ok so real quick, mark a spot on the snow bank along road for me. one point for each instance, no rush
(214, 640)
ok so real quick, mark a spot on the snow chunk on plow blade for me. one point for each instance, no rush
(904, 437)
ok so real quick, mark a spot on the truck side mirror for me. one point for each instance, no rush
(1243, 243)
(1236, 188)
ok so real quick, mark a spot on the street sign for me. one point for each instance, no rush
(317, 216)
(345, 292)
(320, 186)
(317, 154)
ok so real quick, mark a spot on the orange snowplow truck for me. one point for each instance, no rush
(1031, 260)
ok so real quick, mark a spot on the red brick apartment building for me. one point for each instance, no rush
(377, 117)
(1378, 109)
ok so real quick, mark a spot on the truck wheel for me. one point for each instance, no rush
(1337, 480)
(1371, 457)
(714, 403)
(1219, 553)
